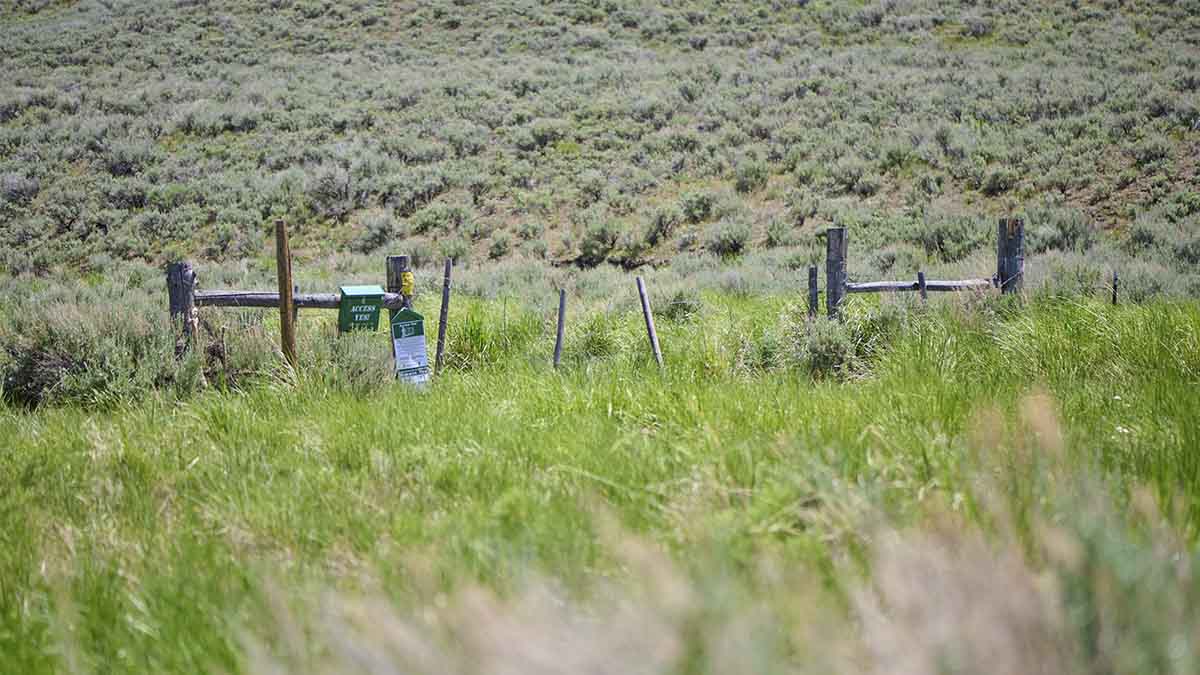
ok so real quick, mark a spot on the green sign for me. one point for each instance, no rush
(408, 346)
(359, 308)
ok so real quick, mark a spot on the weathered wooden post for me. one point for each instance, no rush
(181, 292)
(562, 322)
(400, 278)
(1114, 287)
(813, 296)
(835, 268)
(1010, 255)
(921, 286)
(641, 286)
(442, 316)
(287, 308)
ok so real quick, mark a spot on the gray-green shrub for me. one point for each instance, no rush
(727, 237)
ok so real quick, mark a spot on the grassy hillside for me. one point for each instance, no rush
(976, 484)
(592, 131)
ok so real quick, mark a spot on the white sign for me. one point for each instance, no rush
(408, 346)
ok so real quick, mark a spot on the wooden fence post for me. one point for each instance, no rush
(181, 292)
(287, 308)
(442, 316)
(562, 320)
(921, 286)
(836, 246)
(399, 278)
(813, 296)
(1115, 281)
(641, 286)
(1010, 255)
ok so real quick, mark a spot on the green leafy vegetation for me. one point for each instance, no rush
(779, 472)
(973, 484)
(161, 129)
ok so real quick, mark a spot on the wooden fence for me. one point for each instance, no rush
(184, 298)
(1009, 276)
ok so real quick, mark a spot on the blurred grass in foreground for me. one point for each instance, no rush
(981, 489)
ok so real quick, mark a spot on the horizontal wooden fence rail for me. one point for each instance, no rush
(271, 299)
(930, 285)
(1010, 270)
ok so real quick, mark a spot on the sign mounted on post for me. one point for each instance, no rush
(359, 308)
(408, 346)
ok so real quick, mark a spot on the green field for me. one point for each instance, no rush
(998, 466)
(977, 484)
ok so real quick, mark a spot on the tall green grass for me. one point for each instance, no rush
(175, 535)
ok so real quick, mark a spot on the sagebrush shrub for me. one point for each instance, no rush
(530, 230)
(821, 347)
(591, 187)
(663, 222)
(1163, 239)
(500, 247)
(950, 238)
(977, 26)
(998, 180)
(1058, 228)
(457, 249)
(377, 229)
(18, 189)
(465, 138)
(328, 191)
(599, 239)
(61, 347)
(898, 259)
(1150, 150)
(727, 237)
(441, 218)
(1144, 280)
(802, 205)
(535, 248)
(751, 176)
(697, 206)
(847, 173)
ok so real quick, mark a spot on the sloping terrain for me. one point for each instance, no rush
(969, 483)
(589, 131)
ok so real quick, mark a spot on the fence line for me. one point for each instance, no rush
(930, 285)
(1009, 277)
(184, 298)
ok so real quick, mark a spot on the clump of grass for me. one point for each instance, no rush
(840, 349)
(597, 337)
(680, 306)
